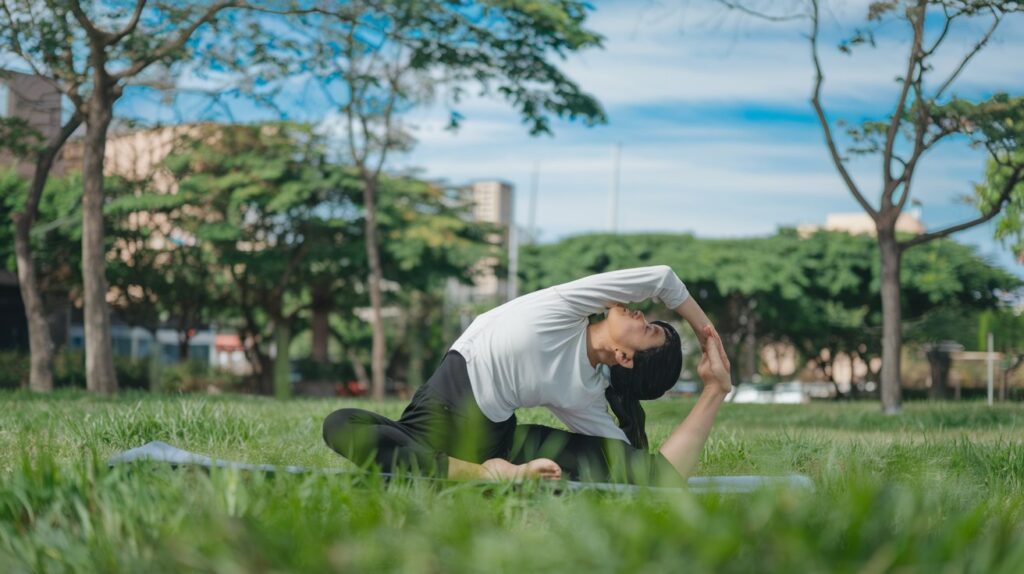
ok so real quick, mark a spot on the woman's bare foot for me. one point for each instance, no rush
(501, 469)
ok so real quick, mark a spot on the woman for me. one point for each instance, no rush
(541, 350)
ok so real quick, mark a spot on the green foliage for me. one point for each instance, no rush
(196, 376)
(14, 367)
(392, 55)
(12, 198)
(19, 138)
(936, 489)
(69, 370)
(270, 229)
(1007, 328)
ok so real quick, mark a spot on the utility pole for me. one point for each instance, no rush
(613, 202)
(991, 364)
(534, 185)
(513, 249)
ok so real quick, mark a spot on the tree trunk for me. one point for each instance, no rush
(99, 356)
(940, 362)
(282, 365)
(379, 350)
(891, 336)
(40, 343)
(320, 325)
(183, 343)
(359, 368)
(262, 369)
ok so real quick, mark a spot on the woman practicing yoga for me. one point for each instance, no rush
(541, 350)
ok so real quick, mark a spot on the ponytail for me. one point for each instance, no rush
(654, 372)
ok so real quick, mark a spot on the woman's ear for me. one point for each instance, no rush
(622, 359)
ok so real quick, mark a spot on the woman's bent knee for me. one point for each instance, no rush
(339, 423)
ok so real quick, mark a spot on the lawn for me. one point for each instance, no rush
(939, 488)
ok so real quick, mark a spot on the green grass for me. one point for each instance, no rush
(939, 488)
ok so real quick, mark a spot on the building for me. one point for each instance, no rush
(37, 101)
(493, 202)
(861, 223)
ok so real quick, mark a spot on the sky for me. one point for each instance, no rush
(718, 137)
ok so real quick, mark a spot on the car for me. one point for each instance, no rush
(791, 393)
(750, 393)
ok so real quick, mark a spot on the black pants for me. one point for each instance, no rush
(444, 420)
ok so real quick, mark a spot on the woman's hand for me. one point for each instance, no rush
(714, 368)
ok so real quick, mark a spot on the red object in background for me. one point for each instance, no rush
(227, 342)
(350, 389)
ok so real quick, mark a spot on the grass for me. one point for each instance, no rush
(939, 488)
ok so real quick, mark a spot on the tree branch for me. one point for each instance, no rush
(942, 35)
(740, 7)
(98, 37)
(389, 108)
(920, 130)
(354, 95)
(897, 117)
(967, 58)
(131, 25)
(1004, 196)
(816, 101)
(173, 44)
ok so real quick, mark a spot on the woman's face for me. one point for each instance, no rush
(631, 330)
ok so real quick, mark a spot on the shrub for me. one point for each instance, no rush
(196, 376)
(14, 369)
(69, 371)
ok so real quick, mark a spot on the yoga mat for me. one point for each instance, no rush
(162, 452)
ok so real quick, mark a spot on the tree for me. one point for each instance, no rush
(258, 200)
(376, 59)
(924, 118)
(428, 238)
(92, 57)
(23, 141)
(924, 114)
(283, 227)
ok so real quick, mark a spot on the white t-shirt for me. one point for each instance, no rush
(532, 351)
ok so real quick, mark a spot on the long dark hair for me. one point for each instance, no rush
(654, 372)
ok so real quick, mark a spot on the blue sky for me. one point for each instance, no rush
(712, 111)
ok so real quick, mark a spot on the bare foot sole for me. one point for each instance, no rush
(543, 468)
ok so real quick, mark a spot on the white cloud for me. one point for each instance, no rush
(662, 54)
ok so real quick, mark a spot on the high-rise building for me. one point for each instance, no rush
(35, 100)
(493, 202)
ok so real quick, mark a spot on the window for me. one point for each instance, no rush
(4, 92)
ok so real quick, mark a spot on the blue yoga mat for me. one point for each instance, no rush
(162, 452)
